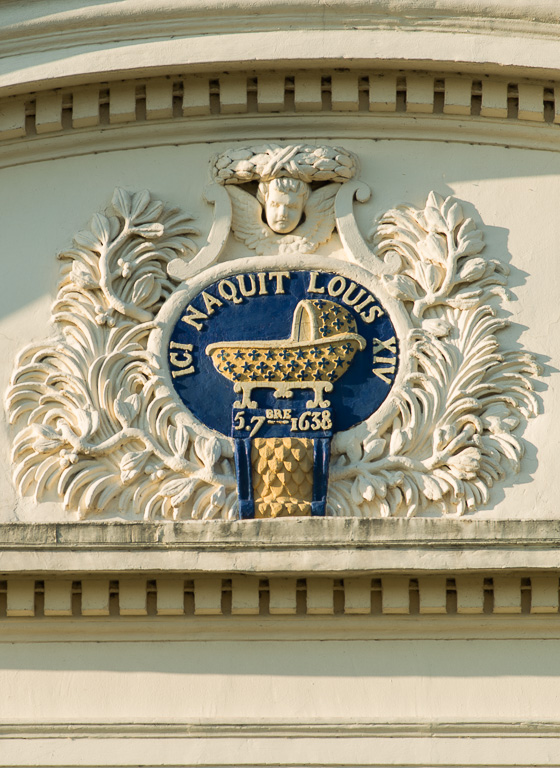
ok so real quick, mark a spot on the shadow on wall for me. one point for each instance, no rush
(280, 658)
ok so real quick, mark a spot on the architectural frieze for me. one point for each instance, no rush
(380, 598)
(466, 106)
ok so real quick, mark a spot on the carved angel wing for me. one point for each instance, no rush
(250, 229)
(247, 223)
(319, 216)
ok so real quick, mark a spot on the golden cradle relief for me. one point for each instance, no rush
(321, 346)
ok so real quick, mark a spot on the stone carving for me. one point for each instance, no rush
(312, 358)
(267, 162)
(284, 175)
(95, 428)
(107, 418)
(451, 437)
(250, 229)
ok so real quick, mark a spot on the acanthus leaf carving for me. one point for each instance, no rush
(99, 432)
(451, 438)
(95, 427)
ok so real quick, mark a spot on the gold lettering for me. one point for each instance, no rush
(210, 302)
(313, 283)
(262, 284)
(243, 287)
(365, 302)
(347, 296)
(380, 372)
(336, 286)
(231, 293)
(374, 312)
(389, 362)
(390, 345)
(194, 316)
(184, 363)
(279, 277)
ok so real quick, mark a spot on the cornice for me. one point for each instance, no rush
(365, 103)
(94, 28)
(20, 19)
(323, 547)
(52, 46)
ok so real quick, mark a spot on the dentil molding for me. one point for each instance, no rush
(179, 109)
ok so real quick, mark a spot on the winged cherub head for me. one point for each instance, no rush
(283, 200)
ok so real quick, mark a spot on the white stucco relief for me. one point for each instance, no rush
(305, 164)
(98, 426)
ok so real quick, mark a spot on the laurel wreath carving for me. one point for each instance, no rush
(270, 161)
(95, 428)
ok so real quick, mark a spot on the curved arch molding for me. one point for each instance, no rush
(361, 103)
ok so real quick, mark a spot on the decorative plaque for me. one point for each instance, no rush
(320, 374)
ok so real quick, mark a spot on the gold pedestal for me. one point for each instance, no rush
(282, 476)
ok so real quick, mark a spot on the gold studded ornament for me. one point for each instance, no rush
(321, 346)
(282, 476)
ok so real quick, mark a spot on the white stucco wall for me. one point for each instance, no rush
(374, 703)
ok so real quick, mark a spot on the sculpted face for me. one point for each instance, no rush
(284, 201)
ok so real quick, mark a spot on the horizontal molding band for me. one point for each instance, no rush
(412, 749)
(129, 19)
(132, 629)
(395, 127)
(312, 730)
(323, 547)
(459, 46)
(191, 599)
(330, 547)
(360, 104)
(285, 534)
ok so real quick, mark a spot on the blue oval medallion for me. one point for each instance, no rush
(280, 361)
(279, 341)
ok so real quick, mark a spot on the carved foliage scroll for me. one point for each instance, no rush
(95, 428)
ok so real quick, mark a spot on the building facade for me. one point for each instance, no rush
(279, 438)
